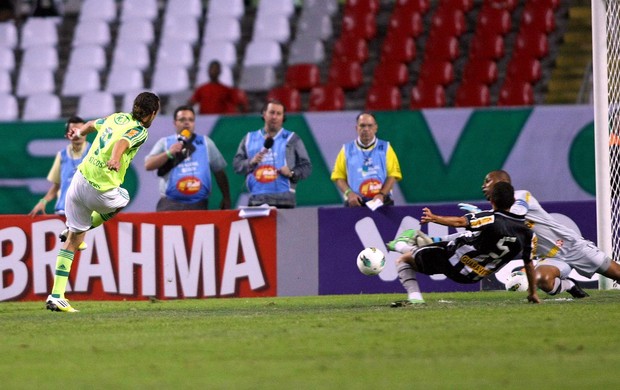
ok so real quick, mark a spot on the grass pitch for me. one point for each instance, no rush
(485, 340)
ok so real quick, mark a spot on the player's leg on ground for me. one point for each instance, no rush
(613, 272)
(549, 279)
(407, 277)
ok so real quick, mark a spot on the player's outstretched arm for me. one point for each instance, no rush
(428, 216)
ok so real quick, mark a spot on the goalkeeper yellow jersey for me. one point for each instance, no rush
(110, 130)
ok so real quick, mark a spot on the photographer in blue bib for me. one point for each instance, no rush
(367, 167)
(273, 159)
(184, 162)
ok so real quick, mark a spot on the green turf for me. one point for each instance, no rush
(490, 340)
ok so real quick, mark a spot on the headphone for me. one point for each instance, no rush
(273, 101)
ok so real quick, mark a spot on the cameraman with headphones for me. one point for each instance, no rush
(184, 162)
(273, 159)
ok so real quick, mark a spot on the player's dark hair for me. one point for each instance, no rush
(502, 175)
(144, 105)
(503, 195)
(185, 107)
(73, 119)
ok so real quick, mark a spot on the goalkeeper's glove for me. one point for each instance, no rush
(470, 208)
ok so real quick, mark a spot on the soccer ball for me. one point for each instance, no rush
(371, 261)
(517, 281)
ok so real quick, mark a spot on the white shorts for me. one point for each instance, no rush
(584, 257)
(83, 199)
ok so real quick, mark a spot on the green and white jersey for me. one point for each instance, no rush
(109, 131)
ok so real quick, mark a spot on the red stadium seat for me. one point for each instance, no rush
(383, 98)
(346, 74)
(391, 73)
(489, 47)
(508, 5)
(354, 7)
(516, 93)
(326, 98)
(363, 25)
(463, 5)
(538, 19)
(493, 21)
(441, 48)
(351, 47)
(398, 48)
(531, 43)
(472, 94)
(437, 72)
(480, 71)
(525, 69)
(303, 76)
(289, 96)
(408, 6)
(425, 95)
(403, 23)
(449, 21)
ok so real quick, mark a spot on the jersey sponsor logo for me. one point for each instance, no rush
(188, 185)
(121, 119)
(482, 221)
(475, 266)
(266, 174)
(369, 188)
(132, 133)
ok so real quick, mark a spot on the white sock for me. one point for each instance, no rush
(407, 277)
(561, 285)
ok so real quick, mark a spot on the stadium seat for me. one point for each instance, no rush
(516, 93)
(78, 81)
(524, 69)
(227, 8)
(363, 25)
(410, 24)
(358, 7)
(508, 5)
(424, 95)
(314, 25)
(263, 52)
(87, 56)
(442, 48)
(391, 73)
(39, 31)
(383, 98)
(284, 8)
(448, 22)
(122, 80)
(409, 6)
(351, 47)
(184, 8)
(537, 19)
(480, 71)
(226, 75)
(168, 79)
(306, 50)
(34, 80)
(492, 20)
(323, 7)
(6, 86)
(91, 32)
(289, 96)
(42, 106)
(222, 51)
(96, 104)
(131, 54)
(257, 78)
(487, 47)
(104, 10)
(222, 29)
(398, 48)
(140, 30)
(139, 9)
(9, 109)
(437, 72)
(7, 58)
(326, 98)
(171, 31)
(531, 43)
(45, 57)
(473, 94)
(272, 27)
(463, 5)
(303, 76)
(8, 35)
(346, 74)
(173, 53)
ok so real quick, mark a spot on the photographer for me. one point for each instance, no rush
(184, 162)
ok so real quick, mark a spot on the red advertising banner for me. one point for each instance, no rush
(135, 256)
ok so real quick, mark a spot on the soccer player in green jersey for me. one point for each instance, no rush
(95, 195)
